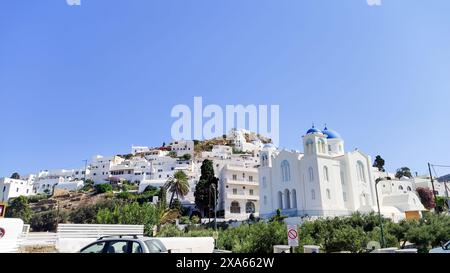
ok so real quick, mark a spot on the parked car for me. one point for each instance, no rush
(124, 244)
(445, 248)
(140, 244)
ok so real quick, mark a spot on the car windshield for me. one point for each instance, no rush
(155, 246)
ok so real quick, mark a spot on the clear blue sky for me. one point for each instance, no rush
(94, 79)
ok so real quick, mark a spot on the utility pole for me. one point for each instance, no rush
(432, 184)
(379, 212)
(446, 194)
(215, 205)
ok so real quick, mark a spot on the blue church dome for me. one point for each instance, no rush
(331, 133)
(313, 130)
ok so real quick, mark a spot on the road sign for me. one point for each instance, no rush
(2, 210)
(292, 234)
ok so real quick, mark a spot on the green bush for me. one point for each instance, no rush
(171, 231)
(184, 220)
(36, 198)
(88, 214)
(47, 220)
(129, 214)
(253, 238)
(102, 188)
(19, 208)
(124, 195)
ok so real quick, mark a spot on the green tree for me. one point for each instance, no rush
(102, 188)
(165, 215)
(379, 163)
(441, 203)
(176, 205)
(88, 185)
(186, 157)
(346, 238)
(15, 176)
(178, 185)
(19, 208)
(403, 171)
(162, 198)
(203, 190)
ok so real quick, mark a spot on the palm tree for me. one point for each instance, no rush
(165, 215)
(178, 185)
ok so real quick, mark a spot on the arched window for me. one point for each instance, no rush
(326, 175)
(265, 200)
(309, 146)
(266, 160)
(264, 182)
(294, 198)
(287, 199)
(235, 208)
(321, 146)
(360, 171)
(285, 171)
(250, 207)
(280, 200)
(313, 195)
(400, 187)
(328, 194)
(311, 174)
(408, 188)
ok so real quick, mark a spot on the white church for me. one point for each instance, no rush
(323, 181)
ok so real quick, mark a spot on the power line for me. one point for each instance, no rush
(441, 166)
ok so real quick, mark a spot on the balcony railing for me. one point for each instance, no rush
(242, 182)
(242, 196)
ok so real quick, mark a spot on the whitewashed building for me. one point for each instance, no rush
(324, 180)
(11, 188)
(244, 140)
(239, 192)
(182, 147)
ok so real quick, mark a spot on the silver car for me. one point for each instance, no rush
(125, 244)
(445, 248)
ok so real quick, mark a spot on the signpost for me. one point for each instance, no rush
(2, 210)
(292, 234)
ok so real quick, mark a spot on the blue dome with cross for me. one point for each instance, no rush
(313, 130)
(331, 134)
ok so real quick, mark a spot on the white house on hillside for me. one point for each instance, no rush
(10, 188)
